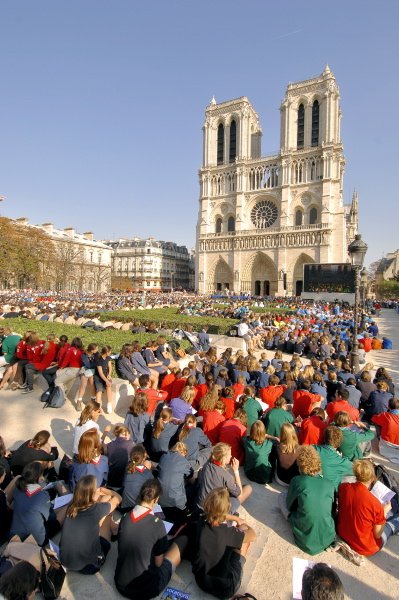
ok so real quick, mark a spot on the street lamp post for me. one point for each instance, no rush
(357, 251)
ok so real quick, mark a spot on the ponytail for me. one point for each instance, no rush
(189, 423)
(164, 417)
(30, 474)
(138, 455)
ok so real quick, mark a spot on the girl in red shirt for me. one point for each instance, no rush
(232, 431)
(212, 421)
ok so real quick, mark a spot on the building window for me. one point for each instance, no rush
(313, 216)
(220, 145)
(315, 123)
(301, 127)
(264, 214)
(298, 218)
(233, 142)
(231, 224)
(218, 228)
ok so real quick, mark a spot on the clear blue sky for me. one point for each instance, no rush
(102, 103)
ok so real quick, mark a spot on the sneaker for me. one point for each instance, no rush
(109, 408)
(27, 390)
(23, 386)
(79, 405)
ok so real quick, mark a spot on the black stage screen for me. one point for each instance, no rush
(335, 277)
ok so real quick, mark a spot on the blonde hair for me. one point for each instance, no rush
(220, 451)
(258, 433)
(217, 506)
(288, 439)
(342, 419)
(208, 402)
(308, 372)
(363, 470)
(308, 461)
(188, 394)
(181, 448)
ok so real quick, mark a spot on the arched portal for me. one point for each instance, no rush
(297, 279)
(259, 276)
(221, 277)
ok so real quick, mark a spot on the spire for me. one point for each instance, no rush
(213, 101)
(355, 203)
(327, 70)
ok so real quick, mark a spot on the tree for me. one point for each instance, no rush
(24, 250)
(121, 283)
(388, 289)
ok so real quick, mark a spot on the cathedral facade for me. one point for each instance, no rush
(262, 218)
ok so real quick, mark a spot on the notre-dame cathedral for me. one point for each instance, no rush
(262, 218)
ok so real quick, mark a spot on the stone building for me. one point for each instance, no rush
(262, 218)
(388, 268)
(78, 263)
(152, 265)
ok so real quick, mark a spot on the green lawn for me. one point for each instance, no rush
(111, 337)
(171, 319)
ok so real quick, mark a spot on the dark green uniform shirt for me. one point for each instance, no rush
(309, 501)
(257, 465)
(350, 445)
(334, 466)
(253, 410)
(275, 418)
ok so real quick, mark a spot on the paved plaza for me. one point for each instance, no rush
(268, 570)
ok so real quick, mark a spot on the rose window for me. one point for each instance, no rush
(264, 214)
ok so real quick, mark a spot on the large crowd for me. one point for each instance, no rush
(171, 473)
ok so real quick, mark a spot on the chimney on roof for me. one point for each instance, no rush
(89, 235)
(48, 228)
(70, 231)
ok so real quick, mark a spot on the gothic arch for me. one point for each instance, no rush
(297, 274)
(220, 276)
(259, 272)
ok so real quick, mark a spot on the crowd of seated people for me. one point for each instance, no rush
(178, 455)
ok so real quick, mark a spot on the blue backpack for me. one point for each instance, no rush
(56, 399)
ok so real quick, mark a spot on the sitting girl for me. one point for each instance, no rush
(197, 443)
(118, 452)
(287, 453)
(258, 448)
(88, 527)
(137, 419)
(33, 514)
(218, 565)
(164, 430)
(173, 472)
(137, 472)
(89, 460)
(87, 420)
(233, 431)
(36, 449)
(215, 474)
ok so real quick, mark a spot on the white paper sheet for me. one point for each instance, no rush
(168, 526)
(382, 492)
(299, 565)
(61, 501)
